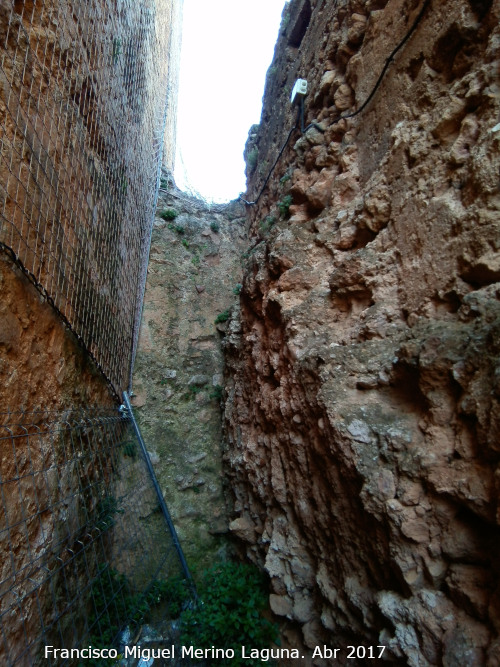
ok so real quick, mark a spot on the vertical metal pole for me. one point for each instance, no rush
(161, 499)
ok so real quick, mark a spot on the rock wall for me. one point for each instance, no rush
(83, 93)
(82, 105)
(362, 369)
(42, 366)
(193, 276)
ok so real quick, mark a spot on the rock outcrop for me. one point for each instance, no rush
(42, 366)
(193, 279)
(363, 366)
(83, 94)
(82, 105)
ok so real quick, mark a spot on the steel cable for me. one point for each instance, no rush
(342, 117)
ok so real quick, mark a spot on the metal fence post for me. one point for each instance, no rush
(161, 499)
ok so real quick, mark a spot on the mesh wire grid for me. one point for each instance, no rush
(83, 92)
(82, 538)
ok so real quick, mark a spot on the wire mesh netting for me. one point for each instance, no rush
(83, 92)
(86, 551)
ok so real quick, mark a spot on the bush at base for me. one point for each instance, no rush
(229, 613)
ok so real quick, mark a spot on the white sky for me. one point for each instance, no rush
(227, 47)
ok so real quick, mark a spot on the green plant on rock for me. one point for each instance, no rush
(169, 214)
(248, 253)
(284, 206)
(117, 49)
(106, 509)
(266, 224)
(195, 389)
(286, 19)
(223, 317)
(233, 597)
(214, 226)
(130, 449)
(271, 71)
(252, 159)
(237, 289)
(263, 168)
(216, 393)
(185, 243)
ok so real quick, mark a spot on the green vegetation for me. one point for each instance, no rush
(117, 49)
(164, 183)
(272, 71)
(266, 224)
(286, 19)
(223, 317)
(185, 243)
(175, 591)
(284, 179)
(169, 214)
(284, 206)
(229, 614)
(216, 393)
(252, 158)
(114, 604)
(214, 226)
(195, 389)
(130, 449)
(248, 253)
(263, 168)
(106, 509)
(237, 289)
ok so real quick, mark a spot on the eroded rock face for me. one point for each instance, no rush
(82, 99)
(79, 86)
(42, 366)
(194, 274)
(363, 391)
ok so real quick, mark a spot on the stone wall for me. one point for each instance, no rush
(82, 107)
(362, 382)
(83, 93)
(193, 276)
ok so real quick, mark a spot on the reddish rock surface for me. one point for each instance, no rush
(362, 380)
(75, 82)
(42, 366)
(83, 92)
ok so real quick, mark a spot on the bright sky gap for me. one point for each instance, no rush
(227, 47)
